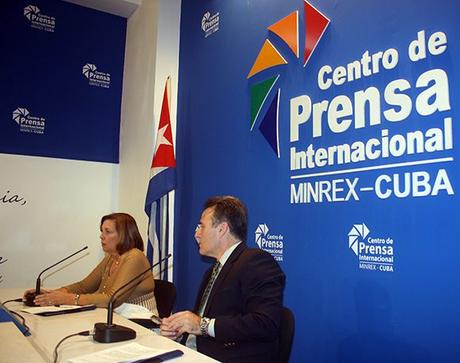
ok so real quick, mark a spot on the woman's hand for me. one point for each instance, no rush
(32, 291)
(54, 297)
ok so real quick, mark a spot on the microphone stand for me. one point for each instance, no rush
(109, 332)
(30, 296)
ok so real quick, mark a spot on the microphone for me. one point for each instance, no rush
(30, 296)
(110, 333)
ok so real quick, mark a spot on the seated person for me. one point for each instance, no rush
(123, 245)
(237, 312)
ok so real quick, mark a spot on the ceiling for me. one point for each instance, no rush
(122, 8)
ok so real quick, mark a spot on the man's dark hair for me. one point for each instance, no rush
(231, 210)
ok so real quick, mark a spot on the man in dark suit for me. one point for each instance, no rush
(238, 308)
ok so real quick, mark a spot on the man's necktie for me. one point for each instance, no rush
(207, 291)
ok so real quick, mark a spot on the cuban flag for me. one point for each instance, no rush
(159, 196)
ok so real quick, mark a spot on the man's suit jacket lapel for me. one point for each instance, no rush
(222, 274)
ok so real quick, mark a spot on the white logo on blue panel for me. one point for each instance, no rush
(272, 243)
(27, 122)
(374, 253)
(95, 77)
(210, 23)
(39, 20)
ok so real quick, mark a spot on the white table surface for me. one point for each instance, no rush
(47, 331)
(13, 341)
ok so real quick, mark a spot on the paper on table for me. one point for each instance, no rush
(43, 309)
(132, 311)
(130, 352)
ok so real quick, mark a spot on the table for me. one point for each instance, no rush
(11, 341)
(47, 331)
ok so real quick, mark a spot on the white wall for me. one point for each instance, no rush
(65, 200)
(137, 110)
(152, 54)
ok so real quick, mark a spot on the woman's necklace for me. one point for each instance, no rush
(115, 264)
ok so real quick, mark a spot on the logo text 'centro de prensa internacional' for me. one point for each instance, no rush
(27, 122)
(272, 243)
(96, 78)
(264, 101)
(210, 23)
(374, 253)
(39, 20)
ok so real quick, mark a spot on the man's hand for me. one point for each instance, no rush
(180, 323)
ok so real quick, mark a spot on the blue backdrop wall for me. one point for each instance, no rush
(361, 206)
(61, 80)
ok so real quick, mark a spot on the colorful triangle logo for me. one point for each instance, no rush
(268, 57)
(287, 29)
(315, 25)
(259, 94)
(269, 125)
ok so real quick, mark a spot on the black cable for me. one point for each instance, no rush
(15, 300)
(83, 333)
(23, 320)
